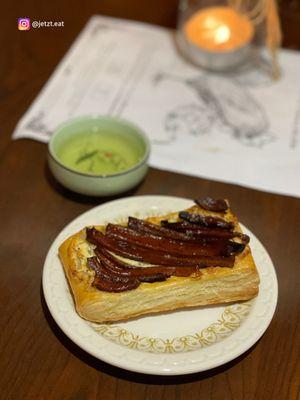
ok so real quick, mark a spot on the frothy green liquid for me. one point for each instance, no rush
(99, 153)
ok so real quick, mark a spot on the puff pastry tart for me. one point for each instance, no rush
(195, 257)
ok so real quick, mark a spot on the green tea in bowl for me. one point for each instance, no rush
(98, 156)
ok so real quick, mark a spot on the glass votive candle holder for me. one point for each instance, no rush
(213, 35)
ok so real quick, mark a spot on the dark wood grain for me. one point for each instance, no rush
(37, 360)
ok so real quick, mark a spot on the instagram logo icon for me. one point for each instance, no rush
(23, 24)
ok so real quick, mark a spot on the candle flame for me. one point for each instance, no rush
(210, 22)
(222, 34)
(218, 29)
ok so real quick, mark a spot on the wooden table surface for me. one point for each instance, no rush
(37, 360)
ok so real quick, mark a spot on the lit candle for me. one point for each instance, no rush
(218, 30)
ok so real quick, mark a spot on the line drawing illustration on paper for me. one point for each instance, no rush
(37, 124)
(221, 101)
(296, 127)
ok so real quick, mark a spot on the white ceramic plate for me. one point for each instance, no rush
(166, 344)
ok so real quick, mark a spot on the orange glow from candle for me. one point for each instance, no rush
(218, 29)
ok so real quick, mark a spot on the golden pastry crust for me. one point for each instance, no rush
(216, 285)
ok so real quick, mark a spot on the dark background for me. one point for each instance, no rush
(37, 360)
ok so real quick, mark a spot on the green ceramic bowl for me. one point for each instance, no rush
(98, 156)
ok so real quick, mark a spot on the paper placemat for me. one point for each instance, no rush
(240, 128)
